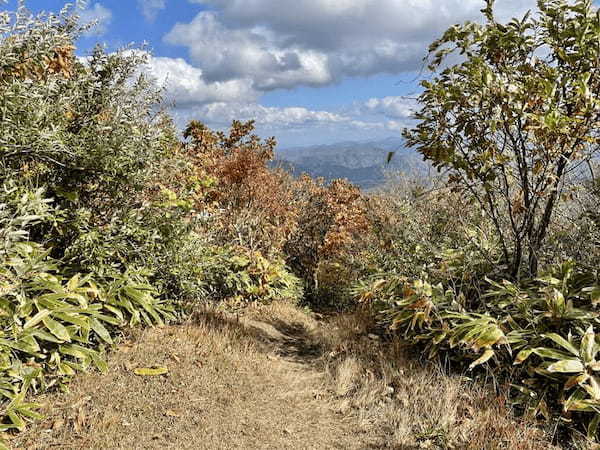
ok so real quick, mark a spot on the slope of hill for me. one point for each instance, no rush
(363, 163)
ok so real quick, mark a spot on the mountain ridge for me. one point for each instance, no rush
(364, 163)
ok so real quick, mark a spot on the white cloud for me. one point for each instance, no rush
(253, 53)
(150, 8)
(392, 107)
(219, 103)
(240, 49)
(288, 43)
(222, 114)
(292, 125)
(99, 14)
(186, 86)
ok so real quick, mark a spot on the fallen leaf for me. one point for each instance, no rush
(151, 372)
(171, 413)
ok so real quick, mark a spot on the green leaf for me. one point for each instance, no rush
(100, 330)
(482, 359)
(592, 428)
(44, 335)
(566, 366)
(523, 355)
(551, 353)
(16, 420)
(37, 318)
(57, 329)
(562, 342)
(587, 345)
(23, 345)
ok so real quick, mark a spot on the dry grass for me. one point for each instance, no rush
(276, 378)
(404, 404)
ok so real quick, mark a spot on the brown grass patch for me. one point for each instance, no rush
(274, 378)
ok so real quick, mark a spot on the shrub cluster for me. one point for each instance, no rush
(440, 285)
(499, 273)
(107, 219)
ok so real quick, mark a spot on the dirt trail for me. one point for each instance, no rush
(230, 384)
(275, 379)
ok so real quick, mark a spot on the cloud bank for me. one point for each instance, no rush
(290, 43)
(239, 50)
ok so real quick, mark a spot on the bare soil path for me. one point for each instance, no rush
(275, 379)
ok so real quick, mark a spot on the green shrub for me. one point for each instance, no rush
(51, 321)
(84, 242)
(538, 335)
(241, 275)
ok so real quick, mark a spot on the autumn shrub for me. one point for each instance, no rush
(251, 204)
(421, 228)
(323, 250)
(311, 225)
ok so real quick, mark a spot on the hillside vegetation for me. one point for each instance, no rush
(112, 221)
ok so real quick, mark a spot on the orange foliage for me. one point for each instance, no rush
(60, 62)
(314, 225)
(255, 204)
(332, 219)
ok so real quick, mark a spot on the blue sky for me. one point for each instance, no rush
(308, 71)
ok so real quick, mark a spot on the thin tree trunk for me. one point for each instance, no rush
(536, 243)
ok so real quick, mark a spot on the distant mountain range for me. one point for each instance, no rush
(362, 163)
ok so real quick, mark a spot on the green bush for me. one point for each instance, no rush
(244, 276)
(539, 335)
(51, 322)
(89, 241)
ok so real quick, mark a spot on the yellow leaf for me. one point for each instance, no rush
(482, 359)
(151, 372)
